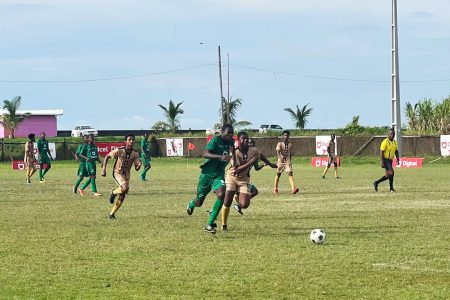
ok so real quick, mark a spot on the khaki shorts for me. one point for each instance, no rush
(286, 167)
(234, 184)
(121, 179)
(30, 163)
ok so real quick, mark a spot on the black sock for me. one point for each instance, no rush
(391, 181)
(382, 179)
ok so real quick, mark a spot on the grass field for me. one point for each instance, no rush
(57, 245)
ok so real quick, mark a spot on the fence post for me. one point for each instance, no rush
(64, 148)
(3, 152)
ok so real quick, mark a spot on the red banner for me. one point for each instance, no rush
(20, 165)
(322, 161)
(105, 147)
(409, 162)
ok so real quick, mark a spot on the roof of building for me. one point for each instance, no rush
(43, 112)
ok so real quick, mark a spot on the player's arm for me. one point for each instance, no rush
(137, 164)
(210, 155)
(397, 156)
(257, 166)
(382, 158)
(248, 164)
(107, 158)
(266, 162)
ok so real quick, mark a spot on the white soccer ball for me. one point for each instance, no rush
(317, 236)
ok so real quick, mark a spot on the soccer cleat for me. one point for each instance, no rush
(392, 190)
(275, 191)
(224, 227)
(111, 217)
(337, 177)
(295, 191)
(81, 192)
(74, 190)
(238, 208)
(323, 176)
(42, 180)
(189, 210)
(112, 196)
(214, 225)
(28, 181)
(375, 186)
(210, 229)
(142, 178)
(97, 194)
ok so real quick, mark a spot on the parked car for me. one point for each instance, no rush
(82, 130)
(272, 127)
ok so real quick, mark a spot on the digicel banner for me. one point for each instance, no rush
(321, 161)
(20, 165)
(105, 147)
(409, 162)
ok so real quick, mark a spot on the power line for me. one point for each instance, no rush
(108, 78)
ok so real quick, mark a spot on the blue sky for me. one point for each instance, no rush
(333, 54)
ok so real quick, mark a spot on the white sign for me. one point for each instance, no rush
(174, 147)
(51, 147)
(445, 145)
(322, 142)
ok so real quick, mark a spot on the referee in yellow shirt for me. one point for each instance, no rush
(388, 149)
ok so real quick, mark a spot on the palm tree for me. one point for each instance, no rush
(172, 116)
(230, 112)
(442, 116)
(11, 119)
(425, 113)
(411, 114)
(300, 116)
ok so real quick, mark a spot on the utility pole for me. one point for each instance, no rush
(228, 84)
(221, 90)
(395, 89)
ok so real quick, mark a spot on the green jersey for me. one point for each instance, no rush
(145, 148)
(92, 152)
(216, 167)
(43, 149)
(81, 150)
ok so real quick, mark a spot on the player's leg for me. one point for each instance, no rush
(295, 189)
(228, 200)
(384, 178)
(218, 186)
(203, 188)
(276, 182)
(325, 171)
(49, 165)
(119, 202)
(147, 167)
(336, 170)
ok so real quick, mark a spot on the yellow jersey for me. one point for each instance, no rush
(389, 147)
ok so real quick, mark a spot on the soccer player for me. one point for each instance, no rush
(238, 176)
(331, 149)
(388, 149)
(212, 176)
(80, 155)
(29, 158)
(145, 157)
(252, 188)
(91, 167)
(284, 154)
(125, 157)
(44, 157)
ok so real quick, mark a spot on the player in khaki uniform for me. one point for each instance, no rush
(284, 154)
(331, 149)
(125, 157)
(238, 176)
(29, 158)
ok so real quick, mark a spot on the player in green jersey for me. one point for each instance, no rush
(145, 156)
(91, 166)
(44, 157)
(82, 171)
(212, 177)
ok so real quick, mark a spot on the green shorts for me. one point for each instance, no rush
(91, 167)
(45, 160)
(145, 160)
(206, 183)
(82, 171)
(251, 187)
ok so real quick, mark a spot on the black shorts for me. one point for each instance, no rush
(388, 164)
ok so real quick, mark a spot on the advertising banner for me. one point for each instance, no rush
(322, 144)
(105, 147)
(20, 165)
(319, 162)
(445, 145)
(409, 162)
(174, 147)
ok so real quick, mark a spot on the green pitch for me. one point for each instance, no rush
(57, 245)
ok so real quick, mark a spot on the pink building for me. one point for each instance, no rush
(40, 120)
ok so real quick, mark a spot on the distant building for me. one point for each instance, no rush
(40, 120)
